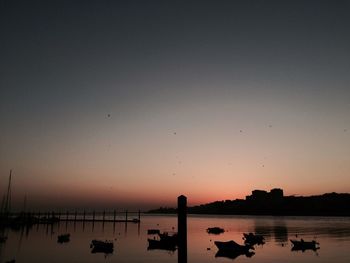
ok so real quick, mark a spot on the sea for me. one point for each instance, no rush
(39, 243)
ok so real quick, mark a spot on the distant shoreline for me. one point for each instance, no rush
(262, 203)
(253, 215)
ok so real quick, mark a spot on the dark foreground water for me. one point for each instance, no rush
(39, 244)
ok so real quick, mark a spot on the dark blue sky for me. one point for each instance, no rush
(97, 87)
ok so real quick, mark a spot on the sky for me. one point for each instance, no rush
(128, 104)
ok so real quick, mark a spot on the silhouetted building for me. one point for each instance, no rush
(263, 196)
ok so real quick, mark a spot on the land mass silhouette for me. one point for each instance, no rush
(261, 202)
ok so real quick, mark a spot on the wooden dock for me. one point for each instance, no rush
(79, 216)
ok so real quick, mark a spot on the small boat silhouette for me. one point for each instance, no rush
(63, 238)
(232, 246)
(99, 246)
(304, 245)
(215, 230)
(165, 242)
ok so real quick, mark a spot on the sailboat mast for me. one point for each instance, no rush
(8, 196)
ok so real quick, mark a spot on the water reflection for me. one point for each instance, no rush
(39, 243)
(232, 254)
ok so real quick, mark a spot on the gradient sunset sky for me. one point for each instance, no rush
(132, 103)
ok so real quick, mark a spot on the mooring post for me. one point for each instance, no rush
(114, 215)
(126, 216)
(182, 228)
(139, 216)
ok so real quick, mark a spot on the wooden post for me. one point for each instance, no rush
(139, 216)
(84, 216)
(75, 216)
(67, 216)
(103, 216)
(114, 215)
(93, 216)
(126, 216)
(182, 228)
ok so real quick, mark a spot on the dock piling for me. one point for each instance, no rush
(182, 228)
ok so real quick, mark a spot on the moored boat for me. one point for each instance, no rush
(304, 245)
(232, 246)
(215, 230)
(63, 238)
(99, 246)
(165, 241)
(158, 244)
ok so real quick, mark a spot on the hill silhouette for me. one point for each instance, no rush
(274, 203)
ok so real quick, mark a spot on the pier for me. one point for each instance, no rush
(46, 217)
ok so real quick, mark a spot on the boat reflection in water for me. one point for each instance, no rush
(232, 254)
(301, 245)
(333, 234)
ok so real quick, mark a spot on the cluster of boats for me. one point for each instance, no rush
(169, 241)
(232, 249)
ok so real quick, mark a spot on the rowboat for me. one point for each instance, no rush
(232, 246)
(215, 230)
(99, 246)
(304, 245)
(165, 241)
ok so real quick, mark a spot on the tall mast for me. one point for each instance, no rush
(8, 196)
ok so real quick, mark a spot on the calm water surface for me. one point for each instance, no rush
(39, 244)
